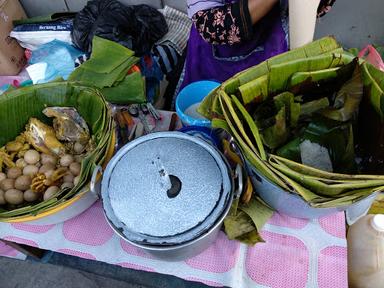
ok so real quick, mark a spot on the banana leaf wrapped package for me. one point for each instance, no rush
(80, 114)
(294, 106)
(107, 70)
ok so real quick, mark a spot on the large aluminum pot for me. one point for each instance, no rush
(168, 193)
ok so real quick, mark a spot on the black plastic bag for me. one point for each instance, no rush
(136, 27)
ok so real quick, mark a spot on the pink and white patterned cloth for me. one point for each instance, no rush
(297, 253)
(7, 251)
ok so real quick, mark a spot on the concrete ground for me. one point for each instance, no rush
(26, 274)
(56, 270)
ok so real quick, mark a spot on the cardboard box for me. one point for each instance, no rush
(12, 58)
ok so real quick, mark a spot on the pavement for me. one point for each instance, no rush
(57, 270)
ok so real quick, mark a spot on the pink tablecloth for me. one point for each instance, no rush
(297, 253)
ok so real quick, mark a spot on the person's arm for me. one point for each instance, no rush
(231, 23)
(259, 8)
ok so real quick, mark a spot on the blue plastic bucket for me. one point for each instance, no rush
(190, 95)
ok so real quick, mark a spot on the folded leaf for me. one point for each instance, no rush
(130, 90)
(292, 109)
(238, 225)
(309, 108)
(277, 134)
(258, 212)
(348, 98)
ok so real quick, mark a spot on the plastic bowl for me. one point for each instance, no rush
(190, 95)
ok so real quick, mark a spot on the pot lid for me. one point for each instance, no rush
(165, 188)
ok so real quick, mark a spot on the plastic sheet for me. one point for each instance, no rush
(59, 58)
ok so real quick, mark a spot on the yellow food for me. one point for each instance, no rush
(37, 184)
(43, 138)
(5, 159)
(35, 166)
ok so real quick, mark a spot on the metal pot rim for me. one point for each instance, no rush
(218, 223)
(226, 198)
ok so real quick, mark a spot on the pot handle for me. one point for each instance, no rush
(95, 186)
(240, 181)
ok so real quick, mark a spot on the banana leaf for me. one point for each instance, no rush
(313, 76)
(277, 134)
(348, 98)
(250, 238)
(306, 170)
(252, 126)
(323, 189)
(309, 108)
(18, 106)
(89, 75)
(324, 83)
(373, 91)
(281, 73)
(377, 205)
(255, 91)
(253, 158)
(101, 47)
(380, 50)
(237, 225)
(315, 48)
(292, 109)
(291, 150)
(258, 212)
(337, 137)
(107, 70)
(245, 221)
(130, 90)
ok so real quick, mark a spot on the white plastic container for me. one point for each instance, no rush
(302, 21)
(366, 252)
